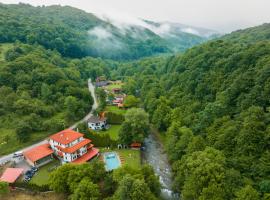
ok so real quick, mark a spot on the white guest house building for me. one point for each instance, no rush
(97, 123)
(71, 146)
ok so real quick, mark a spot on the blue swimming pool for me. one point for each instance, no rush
(111, 160)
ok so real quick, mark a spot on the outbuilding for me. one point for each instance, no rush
(39, 155)
(136, 145)
(10, 175)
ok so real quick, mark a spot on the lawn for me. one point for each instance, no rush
(42, 175)
(113, 131)
(131, 157)
(115, 109)
(113, 86)
(13, 144)
(8, 132)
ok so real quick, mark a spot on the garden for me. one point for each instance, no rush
(115, 109)
(131, 157)
(114, 85)
(113, 132)
(42, 175)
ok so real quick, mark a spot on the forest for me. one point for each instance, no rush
(39, 91)
(212, 106)
(42, 92)
(93, 182)
(75, 33)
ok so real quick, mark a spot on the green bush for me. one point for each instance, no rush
(3, 188)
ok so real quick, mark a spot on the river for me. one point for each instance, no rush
(155, 156)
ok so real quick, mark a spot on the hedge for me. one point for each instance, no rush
(114, 118)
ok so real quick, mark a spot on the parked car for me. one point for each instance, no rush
(17, 154)
(34, 169)
(29, 173)
(26, 179)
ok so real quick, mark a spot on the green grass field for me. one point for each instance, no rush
(113, 86)
(115, 109)
(131, 157)
(13, 144)
(42, 176)
(113, 131)
(8, 130)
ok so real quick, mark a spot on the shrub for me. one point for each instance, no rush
(3, 188)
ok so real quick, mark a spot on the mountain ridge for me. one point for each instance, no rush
(67, 29)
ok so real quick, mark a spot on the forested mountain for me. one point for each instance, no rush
(75, 33)
(40, 92)
(212, 103)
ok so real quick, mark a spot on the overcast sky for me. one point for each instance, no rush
(220, 15)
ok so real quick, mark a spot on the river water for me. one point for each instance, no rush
(155, 156)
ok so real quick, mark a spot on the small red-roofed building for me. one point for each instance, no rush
(121, 106)
(39, 155)
(116, 90)
(71, 146)
(136, 145)
(10, 175)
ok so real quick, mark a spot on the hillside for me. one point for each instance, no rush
(75, 33)
(250, 35)
(213, 103)
(40, 92)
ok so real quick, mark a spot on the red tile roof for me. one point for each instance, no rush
(75, 147)
(120, 105)
(38, 152)
(118, 101)
(66, 136)
(10, 175)
(60, 153)
(90, 154)
(136, 145)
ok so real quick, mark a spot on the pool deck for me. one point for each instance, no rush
(103, 158)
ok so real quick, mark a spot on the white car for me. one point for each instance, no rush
(17, 154)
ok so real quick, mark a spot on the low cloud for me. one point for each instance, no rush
(100, 32)
(191, 31)
(104, 41)
(125, 22)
